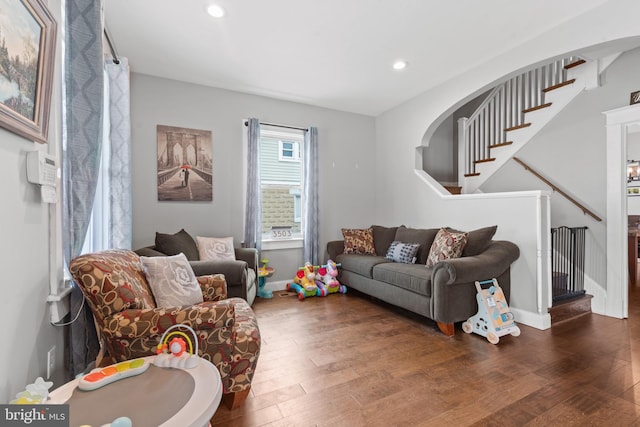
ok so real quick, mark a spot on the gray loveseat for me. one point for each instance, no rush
(444, 292)
(240, 274)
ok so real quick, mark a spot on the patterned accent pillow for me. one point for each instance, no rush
(447, 245)
(402, 252)
(172, 280)
(216, 248)
(358, 241)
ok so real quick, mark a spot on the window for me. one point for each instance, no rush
(281, 183)
(288, 151)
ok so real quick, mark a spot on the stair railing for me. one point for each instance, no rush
(504, 108)
(558, 190)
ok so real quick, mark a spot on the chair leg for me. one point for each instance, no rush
(235, 400)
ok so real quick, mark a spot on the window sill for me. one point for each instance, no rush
(269, 245)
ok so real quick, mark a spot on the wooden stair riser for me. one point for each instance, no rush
(570, 309)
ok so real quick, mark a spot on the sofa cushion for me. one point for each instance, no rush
(424, 236)
(358, 241)
(382, 238)
(402, 252)
(446, 245)
(412, 277)
(173, 244)
(216, 248)
(477, 240)
(360, 264)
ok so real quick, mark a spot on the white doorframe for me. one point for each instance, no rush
(618, 122)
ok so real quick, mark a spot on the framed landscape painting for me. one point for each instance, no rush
(27, 52)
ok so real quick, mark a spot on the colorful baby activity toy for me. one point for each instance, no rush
(493, 319)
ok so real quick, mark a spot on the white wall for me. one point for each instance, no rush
(346, 156)
(24, 313)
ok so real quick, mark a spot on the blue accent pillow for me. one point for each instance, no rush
(402, 252)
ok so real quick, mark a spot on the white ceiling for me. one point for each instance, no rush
(329, 53)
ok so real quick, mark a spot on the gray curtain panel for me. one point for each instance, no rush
(311, 245)
(82, 139)
(119, 119)
(253, 211)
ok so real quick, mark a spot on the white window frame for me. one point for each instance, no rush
(298, 138)
(295, 150)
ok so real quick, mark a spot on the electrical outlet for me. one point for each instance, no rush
(51, 361)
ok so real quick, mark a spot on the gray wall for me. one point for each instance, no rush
(346, 156)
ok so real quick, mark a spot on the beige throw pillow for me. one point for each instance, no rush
(172, 280)
(216, 248)
(446, 245)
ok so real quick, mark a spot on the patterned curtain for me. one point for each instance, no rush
(82, 139)
(119, 172)
(311, 243)
(253, 211)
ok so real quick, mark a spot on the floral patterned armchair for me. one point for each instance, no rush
(130, 324)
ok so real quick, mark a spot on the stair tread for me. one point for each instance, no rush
(490, 159)
(537, 107)
(524, 125)
(502, 144)
(559, 85)
(574, 64)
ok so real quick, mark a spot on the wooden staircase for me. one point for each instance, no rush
(511, 115)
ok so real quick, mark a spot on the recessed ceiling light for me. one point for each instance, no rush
(215, 11)
(400, 65)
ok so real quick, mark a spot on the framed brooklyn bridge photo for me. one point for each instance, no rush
(185, 164)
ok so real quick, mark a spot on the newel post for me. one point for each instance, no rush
(463, 155)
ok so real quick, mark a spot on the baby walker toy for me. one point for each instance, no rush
(494, 319)
(304, 283)
(328, 278)
(313, 280)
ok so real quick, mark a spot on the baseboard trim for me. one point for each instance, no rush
(538, 321)
(278, 285)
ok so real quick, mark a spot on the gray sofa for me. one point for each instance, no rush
(446, 292)
(240, 274)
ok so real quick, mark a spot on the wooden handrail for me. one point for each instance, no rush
(555, 188)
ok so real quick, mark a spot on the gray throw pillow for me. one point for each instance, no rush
(477, 240)
(382, 238)
(424, 236)
(181, 242)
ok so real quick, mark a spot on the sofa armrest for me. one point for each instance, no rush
(234, 271)
(214, 287)
(248, 255)
(132, 324)
(335, 248)
(149, 251)
(491, 263)
(453, 293)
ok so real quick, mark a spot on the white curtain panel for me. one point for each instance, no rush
(119, 187)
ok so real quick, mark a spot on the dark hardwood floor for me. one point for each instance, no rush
(346, 360)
